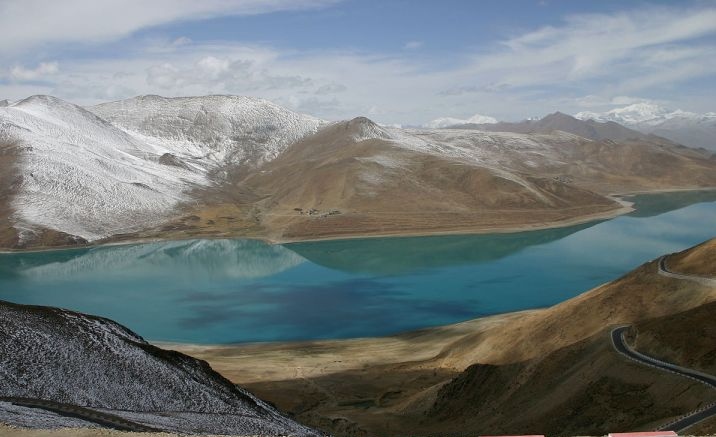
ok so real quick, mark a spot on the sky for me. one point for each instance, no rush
(395, 61)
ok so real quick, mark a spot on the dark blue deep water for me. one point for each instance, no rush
(226, 291)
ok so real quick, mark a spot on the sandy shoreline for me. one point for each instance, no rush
(625, 208)
(478, 230)
(246, 363)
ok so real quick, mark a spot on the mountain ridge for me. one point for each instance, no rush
(157, 167)
(688, 128)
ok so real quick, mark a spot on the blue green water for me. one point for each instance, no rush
(224, 291)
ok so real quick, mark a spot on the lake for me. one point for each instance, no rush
(228, 291)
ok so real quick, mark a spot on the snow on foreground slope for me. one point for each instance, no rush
(86, 177)
(62, 356)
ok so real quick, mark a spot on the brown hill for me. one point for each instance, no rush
(356, 178)
(701, 260)
(585, 388)
(351, 178)
(231, 166)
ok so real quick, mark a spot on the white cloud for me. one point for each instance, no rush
(42, 71)
(628, 100)
(587, 61)
(163, 76)
(590, 46)
(331, 88)
(450, 121)
(214, 68)
(31, 23)
(591, 101)
(413, 45)
(181, 41)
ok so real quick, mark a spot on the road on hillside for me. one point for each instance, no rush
(87, 414)
(620, 345)
(664, 271)
(689, 419)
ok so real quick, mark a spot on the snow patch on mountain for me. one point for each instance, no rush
(644, 114)
(83, 176)
(222, 129)
(450, 121)
(127, 165)
(689, 128)
(490, 149)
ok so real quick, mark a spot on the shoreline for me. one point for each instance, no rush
(625, 208)
(258, 362)
(462, 326)
(484, 230)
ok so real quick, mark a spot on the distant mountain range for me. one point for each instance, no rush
(237, 166)
(687, 128)
(590, 129)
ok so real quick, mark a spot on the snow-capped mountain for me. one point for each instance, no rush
(128, 164)
(450, 121)
(83, 176)
(204, 166)
(219, 129)
(688, 128)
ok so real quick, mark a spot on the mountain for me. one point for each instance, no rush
(73, 174)
(220, 129)
(73, 359)
(80, 175)
(359, 177)
(450, 121)
(227, 166)
(558, 121)
(551, 371)
(688, 128)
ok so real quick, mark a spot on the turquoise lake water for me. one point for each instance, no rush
(226, 291)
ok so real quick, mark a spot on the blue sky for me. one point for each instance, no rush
(403, 62)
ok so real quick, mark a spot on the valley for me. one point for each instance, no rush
(342, 218)
(565, 378)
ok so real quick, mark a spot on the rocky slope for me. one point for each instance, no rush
(71, 358)
(236, 166)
